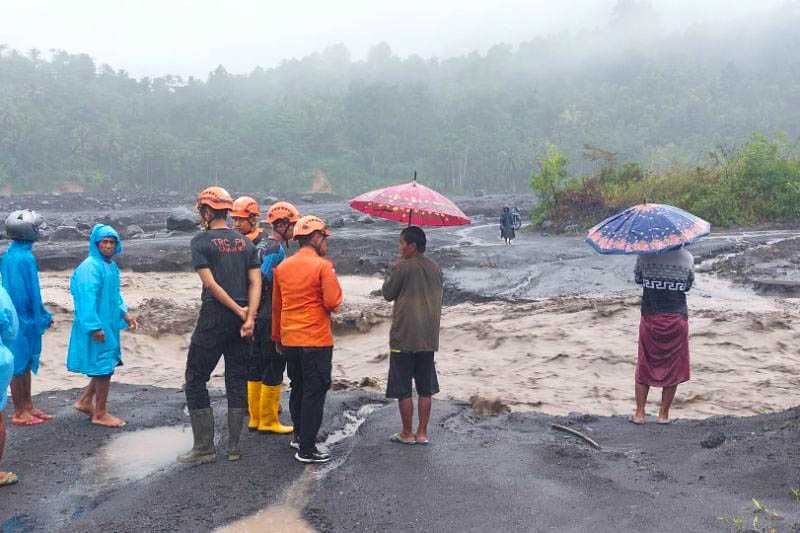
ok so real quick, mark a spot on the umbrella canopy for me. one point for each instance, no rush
(647, 229)
(410, 203)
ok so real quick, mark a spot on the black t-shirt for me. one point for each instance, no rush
(229, 255)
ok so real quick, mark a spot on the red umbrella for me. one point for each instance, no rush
(410, 203)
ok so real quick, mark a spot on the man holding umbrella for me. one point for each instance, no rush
(415, 286)
(663, 329)
(657, 234)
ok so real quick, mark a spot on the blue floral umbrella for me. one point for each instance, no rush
(647, 229)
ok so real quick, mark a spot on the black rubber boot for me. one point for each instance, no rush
(235, 423)
(203, 430)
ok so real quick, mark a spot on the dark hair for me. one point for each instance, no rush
(216, 214)
(414, 235)
(303, 240)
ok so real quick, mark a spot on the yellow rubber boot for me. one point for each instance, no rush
(254, 404)
(270, 399)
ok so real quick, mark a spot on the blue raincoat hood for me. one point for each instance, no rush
(100, 232)
(95, 289)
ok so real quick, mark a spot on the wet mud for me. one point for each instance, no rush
(482, 471)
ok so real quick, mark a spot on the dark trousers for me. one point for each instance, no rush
(309, 371)
(265, 364)
(217, 335)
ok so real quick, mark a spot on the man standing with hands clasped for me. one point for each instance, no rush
(228, 267)
(415, 286)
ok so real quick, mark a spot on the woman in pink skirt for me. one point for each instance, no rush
(664, 328)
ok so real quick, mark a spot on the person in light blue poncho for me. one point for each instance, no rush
(9, 326)
(21, 279)
(100, 314)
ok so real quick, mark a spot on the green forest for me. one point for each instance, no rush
(626, 90)
(756, 183)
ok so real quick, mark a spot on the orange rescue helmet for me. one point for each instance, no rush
(215, 198)
(308, 225)
(245, 207)
(281, 210)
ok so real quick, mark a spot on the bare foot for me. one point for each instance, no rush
(38, 413)
(85, 408)
(663, 420)
(107, 420)
(25, 418)
(422, 438)
(639, 420)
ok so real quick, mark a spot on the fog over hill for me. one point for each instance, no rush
(654, 82)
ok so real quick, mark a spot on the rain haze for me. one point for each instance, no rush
(155, 38)
(606, 197)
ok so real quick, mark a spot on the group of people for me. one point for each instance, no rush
(94, 345)
(268, 311)
(266, 305)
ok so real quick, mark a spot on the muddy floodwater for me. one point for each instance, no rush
(546, 324)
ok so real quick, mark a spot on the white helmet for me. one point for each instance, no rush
(24, 225)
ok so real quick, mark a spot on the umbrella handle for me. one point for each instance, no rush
(410, 212)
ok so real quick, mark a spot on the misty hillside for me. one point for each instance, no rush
(471, 122)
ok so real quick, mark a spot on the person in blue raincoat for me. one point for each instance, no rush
(21, 279)
(100, 314)
(9, 327)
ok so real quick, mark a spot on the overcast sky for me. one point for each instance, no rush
(192, 37)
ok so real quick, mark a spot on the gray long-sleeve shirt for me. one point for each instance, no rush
(415, 286)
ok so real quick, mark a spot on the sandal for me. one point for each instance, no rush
(632, 421)
(33, 421)
(9, 479)
(398, 439)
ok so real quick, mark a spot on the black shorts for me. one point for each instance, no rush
(403, 366)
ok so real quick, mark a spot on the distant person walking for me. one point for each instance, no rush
(415, 286)
(507, 231)
(305, 292)
(227, 264)
(9, 327)
(100, 314)
(21, 279)
(663, 359)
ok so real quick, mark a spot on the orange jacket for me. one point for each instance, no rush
(304, 293)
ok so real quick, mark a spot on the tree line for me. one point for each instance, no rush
(624, 91)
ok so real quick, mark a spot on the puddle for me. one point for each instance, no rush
(287, 516)
(279, 518)
(284, 517)
(135, 455)
(353, 421)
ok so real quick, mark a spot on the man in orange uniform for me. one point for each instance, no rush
(305, 293)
